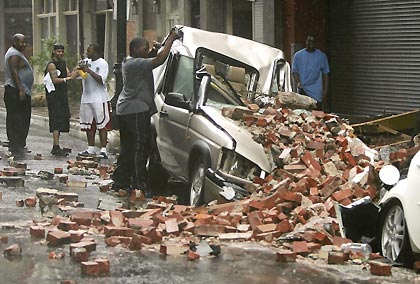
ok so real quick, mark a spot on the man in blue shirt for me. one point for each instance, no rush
(310, 70)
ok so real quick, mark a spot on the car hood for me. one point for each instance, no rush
(245, 145)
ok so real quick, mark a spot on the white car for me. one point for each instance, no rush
(392, 223)
(205, 73)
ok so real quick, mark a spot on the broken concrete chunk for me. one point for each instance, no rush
(76, 183)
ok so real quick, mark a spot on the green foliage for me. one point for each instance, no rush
(39, 62)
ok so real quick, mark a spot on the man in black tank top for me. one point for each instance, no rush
(58, 105)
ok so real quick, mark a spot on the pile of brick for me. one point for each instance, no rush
(317, 161)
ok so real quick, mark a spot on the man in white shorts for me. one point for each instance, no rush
(94, 106)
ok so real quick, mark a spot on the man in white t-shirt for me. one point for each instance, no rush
(94, 106)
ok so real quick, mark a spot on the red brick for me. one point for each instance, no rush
(163, 249)
(154, 235)
(358, 192)
(138, 223)
(83, 217)
(293, 168)
(345, 201)
(37, 231)
(281, 216)
(118, 231)
(180, 208)
(177, 215)
(291, 196)
(284, 226)
(267, 237)
(254, 204)
(329, 206)
(314, 246)
(90, 268)
(313, 191)
(309, 160)
(104, 265)
(151, 212)
(337, 257)
(117, 218)
(135, 243)
(116, 240)
(192, 255)
(348, 157)
(416, 267)
(133, 214)
(136, 195)
(330, 185)
(255, 219)
(68, 225)
(342, 194)
(189, 227)
(300, 247)
(30, 202)
(79, 254)
(88, 245)
(172, 226)
(338, 241)
(4, 239)
(266, 228)
(76, 235)
(56, 255)
(223, 221)
(315, 145)
(286, 256)
(58, 238)
(380, 268)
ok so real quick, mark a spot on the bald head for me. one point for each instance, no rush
(18, 42)
(139, 47)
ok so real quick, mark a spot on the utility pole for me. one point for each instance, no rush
(121, 52)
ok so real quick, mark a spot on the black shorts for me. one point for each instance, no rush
(58, 111)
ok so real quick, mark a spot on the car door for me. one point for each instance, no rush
(174, 116)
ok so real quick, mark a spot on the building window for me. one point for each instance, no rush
(174, 5)
(47, 15)
(195, 14)
(72, 5)
(71, 8)
(18, 4)
(103, 26)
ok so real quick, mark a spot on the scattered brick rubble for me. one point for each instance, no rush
(317, 160)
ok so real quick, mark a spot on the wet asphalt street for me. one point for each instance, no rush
(237, 263)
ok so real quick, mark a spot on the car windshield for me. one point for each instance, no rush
(232, 81)
(219, 96)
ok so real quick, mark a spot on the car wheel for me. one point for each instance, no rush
(157, 175)
(197, 176)
(395, 244)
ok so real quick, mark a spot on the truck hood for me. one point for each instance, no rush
(245, 145)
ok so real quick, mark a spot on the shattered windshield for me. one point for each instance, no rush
(218, 96)
(232, 81)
